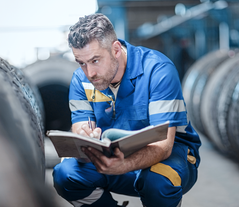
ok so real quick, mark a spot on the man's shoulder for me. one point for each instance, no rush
(154, 56)
(79, 75)
(148, 55)
(78, 72)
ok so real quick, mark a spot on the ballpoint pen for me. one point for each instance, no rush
(89, 122)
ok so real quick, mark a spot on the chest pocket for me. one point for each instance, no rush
(137, 116)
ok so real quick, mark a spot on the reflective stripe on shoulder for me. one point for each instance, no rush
(88, 85)
(166, 106)
(97, 97)
(167, 172)
(76, 105)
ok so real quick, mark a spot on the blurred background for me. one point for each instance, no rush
(201, 37)
(184, 30)
(31, 30)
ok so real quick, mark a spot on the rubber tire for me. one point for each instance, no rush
(21, 144)
(20, 183)
(210, 102)
(195, 81)
(233, 122)
(224, 105)
(21, 117)
(52, 77)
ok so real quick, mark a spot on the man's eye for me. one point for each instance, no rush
(95, 61)
(82, 64)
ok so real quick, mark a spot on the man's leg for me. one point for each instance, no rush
(163, 184)
(82, 185)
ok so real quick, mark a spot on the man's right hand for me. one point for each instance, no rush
(83, 128)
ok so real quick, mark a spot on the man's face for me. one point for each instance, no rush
(98, 64)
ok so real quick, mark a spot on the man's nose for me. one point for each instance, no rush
(91, 72)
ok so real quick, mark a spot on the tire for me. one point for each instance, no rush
(21, 116)
(21, 143)
(20, 186)
(52, 77)
(210, 102)
(223, 107)
(233, 122)
(196, 80)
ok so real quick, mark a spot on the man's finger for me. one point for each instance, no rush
(117, 152)
(97, 133)
(92, 153)
(86, 129)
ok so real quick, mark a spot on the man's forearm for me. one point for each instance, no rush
(144, 158)
(151, 154)
(147, 157)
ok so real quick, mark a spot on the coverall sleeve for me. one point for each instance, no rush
(79, 105)
(166, 101)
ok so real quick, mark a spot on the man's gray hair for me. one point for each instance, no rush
(92, 27)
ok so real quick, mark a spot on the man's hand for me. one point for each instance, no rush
(114, 165)
(83, 128)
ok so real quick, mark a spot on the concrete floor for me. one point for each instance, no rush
(217, 185)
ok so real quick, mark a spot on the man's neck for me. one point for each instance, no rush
(122, 65)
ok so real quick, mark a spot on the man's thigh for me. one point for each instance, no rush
(164, 183)
(74, 180)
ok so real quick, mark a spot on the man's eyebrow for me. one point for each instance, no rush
(94, 57)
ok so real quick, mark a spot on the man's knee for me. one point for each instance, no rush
(61, 179)
(158, 190)
(74, 180)
(67, 182)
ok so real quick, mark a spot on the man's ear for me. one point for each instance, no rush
(116, 49)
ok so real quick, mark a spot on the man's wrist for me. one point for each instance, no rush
(128, 165)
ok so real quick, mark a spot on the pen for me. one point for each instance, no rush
(89, 122)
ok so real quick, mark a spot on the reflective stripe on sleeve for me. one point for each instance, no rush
(166, 106)
(181, 129)
(76, 105)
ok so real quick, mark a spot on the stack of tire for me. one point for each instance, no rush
(211, 92)
(22, 167)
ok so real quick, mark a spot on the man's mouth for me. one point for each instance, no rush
(95, 80)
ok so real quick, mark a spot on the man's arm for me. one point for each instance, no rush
(146, 157)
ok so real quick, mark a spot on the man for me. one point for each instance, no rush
(126, 87)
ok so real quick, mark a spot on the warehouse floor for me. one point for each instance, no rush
(217, 185)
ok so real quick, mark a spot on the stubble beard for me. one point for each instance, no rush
(109, 76)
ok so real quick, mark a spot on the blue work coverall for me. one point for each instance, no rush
(149, 94)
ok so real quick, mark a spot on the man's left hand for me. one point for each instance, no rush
(114, 165)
